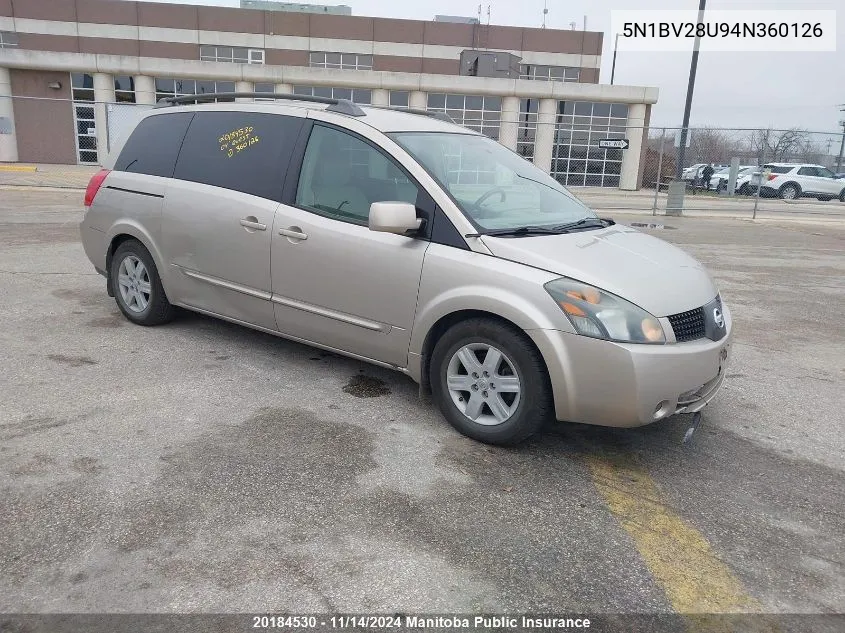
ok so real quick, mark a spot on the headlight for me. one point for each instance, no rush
(599, 314)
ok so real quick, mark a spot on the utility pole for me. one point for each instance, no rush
(613, 68)
(690, 88)
(841, 145)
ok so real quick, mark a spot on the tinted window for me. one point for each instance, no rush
(242, 151)
(778, 169)
(154, 145)
(342, 175)
(808, 171)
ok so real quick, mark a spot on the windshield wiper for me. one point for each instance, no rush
(585, 223)
(518, 231)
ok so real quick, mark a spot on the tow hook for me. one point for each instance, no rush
(696, 420)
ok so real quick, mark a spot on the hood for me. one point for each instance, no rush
(643, 269)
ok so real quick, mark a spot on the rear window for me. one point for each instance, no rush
(154, 144)
(779, 169)
(243, 151)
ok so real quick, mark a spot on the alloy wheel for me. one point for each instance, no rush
(483, 384)
(133, 281)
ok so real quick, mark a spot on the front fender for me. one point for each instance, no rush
(455, 280)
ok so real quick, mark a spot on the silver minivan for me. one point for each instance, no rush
(404, 240)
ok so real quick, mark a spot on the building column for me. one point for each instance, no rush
(629, 178)
(283, 89)
(380, 97)
(544, 139)
(509, 123)
(103, 95)
(145, 89)
(8, 136)
(244, 86)
(418, 100)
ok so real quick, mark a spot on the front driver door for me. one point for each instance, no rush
(335, 282)
(829, 183)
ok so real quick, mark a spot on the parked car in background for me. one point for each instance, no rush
(367, 232)
(693, 172)
(743, 178)
(719, 181)
(791, 181)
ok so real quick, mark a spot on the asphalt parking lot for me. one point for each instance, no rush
(201, 466)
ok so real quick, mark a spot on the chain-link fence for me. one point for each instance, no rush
(592, 148)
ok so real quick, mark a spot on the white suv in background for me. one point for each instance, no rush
(791, 181)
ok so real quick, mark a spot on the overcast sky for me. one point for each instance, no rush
(732, 89)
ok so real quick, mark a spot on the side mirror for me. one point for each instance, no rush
(393, 217)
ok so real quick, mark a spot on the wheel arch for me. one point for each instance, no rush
(447, 321)
(798, 188)
(124, 231)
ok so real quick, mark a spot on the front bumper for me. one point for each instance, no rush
(626, 385)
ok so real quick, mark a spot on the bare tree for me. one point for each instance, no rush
(778, 145)
(710, 145)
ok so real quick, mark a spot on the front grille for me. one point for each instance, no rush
(689, 325)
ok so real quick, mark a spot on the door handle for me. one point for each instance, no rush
(293, 234)
(251, 222)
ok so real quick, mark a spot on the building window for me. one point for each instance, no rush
(399, 98)
(577, 161)
(527, 131)
(8, 39)
(265, 87)
(82, 91)
(344, 61)
(478, 113)
(124, 89)
(356, 95)
(549, 73)
(231, 54)
(166, 87)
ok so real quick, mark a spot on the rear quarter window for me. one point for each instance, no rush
(154, 144)
(242, 151)
(779, 169)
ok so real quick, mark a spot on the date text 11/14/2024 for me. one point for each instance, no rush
(306, 622)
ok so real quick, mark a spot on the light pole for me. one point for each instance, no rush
(613, 67)
(690, 88)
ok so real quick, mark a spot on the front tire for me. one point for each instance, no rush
(137, 287)
(490, 382)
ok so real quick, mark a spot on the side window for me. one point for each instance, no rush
(808, 171)
(243, 151)
(342, 175)
(823, 172)
(154, 144)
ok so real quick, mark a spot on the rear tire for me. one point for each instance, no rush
(137, 288)
(500, 399)
(743, 190)
(790, 191)
(842, 196)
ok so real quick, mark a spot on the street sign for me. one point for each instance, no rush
(614, 143)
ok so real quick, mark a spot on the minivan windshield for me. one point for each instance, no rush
(493, 186)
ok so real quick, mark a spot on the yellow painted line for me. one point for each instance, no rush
(679, 557)
(17, 167)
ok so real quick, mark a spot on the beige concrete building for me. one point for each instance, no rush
(67, 66)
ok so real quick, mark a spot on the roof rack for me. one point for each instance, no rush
(342, 106)
(441, 116)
